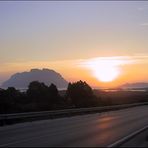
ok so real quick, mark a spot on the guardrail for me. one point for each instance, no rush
(22, 117)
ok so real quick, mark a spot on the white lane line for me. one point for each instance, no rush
(125, 139)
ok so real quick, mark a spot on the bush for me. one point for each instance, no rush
(80, 94)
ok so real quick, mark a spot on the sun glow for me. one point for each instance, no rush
(106, 74)
(105, 69)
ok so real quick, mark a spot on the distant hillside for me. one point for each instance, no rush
(135, 85)
(22, 80)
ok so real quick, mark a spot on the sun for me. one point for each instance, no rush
(105, 69)
(106, 74)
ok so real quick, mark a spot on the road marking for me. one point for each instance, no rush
(125, 139)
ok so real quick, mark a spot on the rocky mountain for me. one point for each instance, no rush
(135, 85)
(22, 80)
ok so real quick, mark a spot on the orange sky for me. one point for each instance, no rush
(65, 35)
(133, 69)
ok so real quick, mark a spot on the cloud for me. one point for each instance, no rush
(144, 24)
(116, 60)
(141, 59)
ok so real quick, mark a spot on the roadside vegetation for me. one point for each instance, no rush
(40, 97)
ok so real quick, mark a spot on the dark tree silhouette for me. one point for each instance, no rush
(81, 94)
(9, 100)
(53, 90)
(57, 101)
(36, 90)
(40, 97)
(38, 94)
(44, 97)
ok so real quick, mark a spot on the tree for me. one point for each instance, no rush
(9, 100)
(2, 101)
(56, 100)
(81, 94)
(38, 97)
(53, 90)
(43, 97)
(36, 91)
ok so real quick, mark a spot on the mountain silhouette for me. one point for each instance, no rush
(48, 76)
(135, 85)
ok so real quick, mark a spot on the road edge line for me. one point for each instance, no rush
(126, 138)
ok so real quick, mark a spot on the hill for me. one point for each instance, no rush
(48, 76)
(135, 85)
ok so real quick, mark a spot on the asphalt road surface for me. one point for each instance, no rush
(100, 129)
(140, 140)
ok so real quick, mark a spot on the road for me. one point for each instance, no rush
(100, 129)
(140, 140)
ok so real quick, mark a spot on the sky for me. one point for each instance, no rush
(64, 36)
